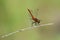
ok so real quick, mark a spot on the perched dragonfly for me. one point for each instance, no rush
(36, 20)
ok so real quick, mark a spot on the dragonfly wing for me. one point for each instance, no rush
(36, 13)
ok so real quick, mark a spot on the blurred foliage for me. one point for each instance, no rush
(14, 16)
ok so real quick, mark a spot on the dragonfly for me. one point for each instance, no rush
(35, 19)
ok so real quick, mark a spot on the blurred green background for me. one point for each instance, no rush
(14, 16)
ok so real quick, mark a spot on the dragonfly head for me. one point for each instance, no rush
(38, 21)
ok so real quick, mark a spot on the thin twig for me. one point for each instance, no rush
(25, 29)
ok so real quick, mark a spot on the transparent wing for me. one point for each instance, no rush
(36, 13)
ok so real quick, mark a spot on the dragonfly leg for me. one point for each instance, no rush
(34, 23)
